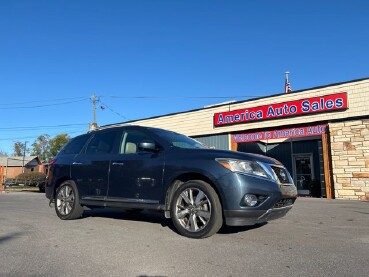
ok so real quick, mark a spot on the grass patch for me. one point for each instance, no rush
(21, 188)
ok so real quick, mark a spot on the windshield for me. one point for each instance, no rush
(178, 140)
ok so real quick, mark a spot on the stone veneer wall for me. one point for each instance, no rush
(350, 159)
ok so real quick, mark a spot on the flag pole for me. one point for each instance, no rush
(287, 86)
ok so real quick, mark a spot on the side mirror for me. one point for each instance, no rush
(148, 146)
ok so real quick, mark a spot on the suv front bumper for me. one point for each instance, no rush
(244, 218)
(279, 199)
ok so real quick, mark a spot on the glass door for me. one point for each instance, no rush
(304, 173)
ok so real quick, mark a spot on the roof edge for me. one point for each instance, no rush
(237, 102)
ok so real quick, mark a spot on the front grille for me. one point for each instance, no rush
(281, 174)
(284, 203)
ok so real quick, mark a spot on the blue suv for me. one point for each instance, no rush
(136, 168)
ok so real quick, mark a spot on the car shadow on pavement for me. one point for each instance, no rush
(144, 216)
(10, 236)
(238, 229)
(158, 218)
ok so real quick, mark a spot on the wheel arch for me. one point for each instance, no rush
(180, 180)
(59, 182)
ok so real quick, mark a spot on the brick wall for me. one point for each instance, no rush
(350, 159)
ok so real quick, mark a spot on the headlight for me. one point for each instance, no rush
(243, 166)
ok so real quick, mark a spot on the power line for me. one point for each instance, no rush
(28, 128)
(179, 97)
(106, 106)
(10, 106)
(34, 137)
(81, 98)
(41, 106)
(44, 100)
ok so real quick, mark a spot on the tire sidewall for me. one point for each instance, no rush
(77, 209)
(215, 221)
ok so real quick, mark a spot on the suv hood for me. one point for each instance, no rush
(214, 153)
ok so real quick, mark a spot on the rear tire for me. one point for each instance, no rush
(196, 210)
(67, 204)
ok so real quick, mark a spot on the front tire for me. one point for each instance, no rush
(67, 204)
(196, 210)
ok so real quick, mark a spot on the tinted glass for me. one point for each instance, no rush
(101, 143)
(130, 140)
(178, 140)
(75, 145)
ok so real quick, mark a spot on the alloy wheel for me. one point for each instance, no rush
(193, 209)
(65, 200)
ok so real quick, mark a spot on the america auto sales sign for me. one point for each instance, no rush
(320, 104)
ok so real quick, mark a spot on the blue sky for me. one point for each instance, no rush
(177, 55)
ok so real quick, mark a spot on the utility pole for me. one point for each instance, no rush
(24, 155)
(94, 100)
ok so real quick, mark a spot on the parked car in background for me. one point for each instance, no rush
(10, 182)
(133, 167)
(41, 186)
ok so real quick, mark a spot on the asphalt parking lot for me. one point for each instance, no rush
(318, 237)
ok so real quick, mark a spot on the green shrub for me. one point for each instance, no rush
(31, 178)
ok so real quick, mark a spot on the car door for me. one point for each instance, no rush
(90, 169)
(136, 175)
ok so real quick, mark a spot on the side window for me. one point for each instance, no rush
(75, 145)
(101, 143)
(130, 140)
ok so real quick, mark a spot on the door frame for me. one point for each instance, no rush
(311, 157)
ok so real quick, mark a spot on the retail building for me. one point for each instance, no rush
(320, 134)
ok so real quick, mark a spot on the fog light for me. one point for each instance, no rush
(250, 200)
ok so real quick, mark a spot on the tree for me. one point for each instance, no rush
(41, 147)
(57, 143)
(20, 148)
(3, 153)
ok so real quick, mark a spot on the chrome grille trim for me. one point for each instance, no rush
(281, 174)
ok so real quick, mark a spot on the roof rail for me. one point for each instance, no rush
(109, 126)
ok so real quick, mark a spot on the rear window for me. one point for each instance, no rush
(75, 145)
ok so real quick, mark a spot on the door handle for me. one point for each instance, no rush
(77, 163)
(115, 163)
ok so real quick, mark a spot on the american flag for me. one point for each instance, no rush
(287, 85)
